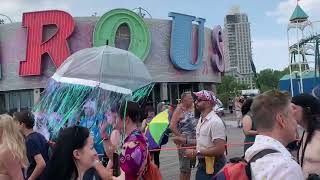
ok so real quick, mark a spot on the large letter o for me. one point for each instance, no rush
(108, 24)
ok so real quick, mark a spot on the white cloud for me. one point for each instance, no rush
(285, 9)
(270, 53)
(15, 8)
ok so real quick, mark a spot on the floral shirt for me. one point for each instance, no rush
(133, 158)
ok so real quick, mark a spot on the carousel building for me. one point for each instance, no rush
(181, 54)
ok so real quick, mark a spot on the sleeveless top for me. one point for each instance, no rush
(187, 124)
(250, 138)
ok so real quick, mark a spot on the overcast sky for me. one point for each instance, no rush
(268, 18)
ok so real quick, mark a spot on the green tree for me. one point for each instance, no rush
(229, 88)
(296, 67)
(268, 79)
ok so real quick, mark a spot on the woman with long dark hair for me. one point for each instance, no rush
(249, 125)
(307, 112)
(73, 155)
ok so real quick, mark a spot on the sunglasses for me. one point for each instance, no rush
(200, 100)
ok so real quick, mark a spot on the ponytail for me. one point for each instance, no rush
(313, 123)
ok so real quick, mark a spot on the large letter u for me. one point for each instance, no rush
(181, 41)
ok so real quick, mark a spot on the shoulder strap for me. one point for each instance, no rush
(256, 157)
(304, 146)
(261, 154)
(300, 146)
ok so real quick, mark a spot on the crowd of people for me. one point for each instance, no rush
(270, 125)
(271, 121)
(24, 153)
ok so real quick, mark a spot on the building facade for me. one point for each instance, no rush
(237, 47)
(180, 56)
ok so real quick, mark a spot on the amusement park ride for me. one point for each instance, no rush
(303, 42)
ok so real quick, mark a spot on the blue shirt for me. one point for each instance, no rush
(92, 124)
(36, 144)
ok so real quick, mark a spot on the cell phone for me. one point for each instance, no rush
(116, 165)
(104, 161)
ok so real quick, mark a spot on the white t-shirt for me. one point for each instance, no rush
(209, 129)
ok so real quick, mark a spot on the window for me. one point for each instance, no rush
(13, 103)
(20, 100)
(0, 71)
(2, 103)
(26, 100)
(122, 40)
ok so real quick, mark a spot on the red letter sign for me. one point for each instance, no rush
(56, 47)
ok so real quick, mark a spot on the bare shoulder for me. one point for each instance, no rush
(178, 108)
(3, 150)
(178, 111)
(5, 153)
(246, 118)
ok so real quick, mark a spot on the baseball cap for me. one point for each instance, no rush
(206, 96)
(307, 101)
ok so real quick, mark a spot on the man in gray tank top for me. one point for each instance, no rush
(183, 125)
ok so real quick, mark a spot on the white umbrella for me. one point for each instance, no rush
(106, 67)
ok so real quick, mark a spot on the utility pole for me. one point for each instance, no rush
(142, 12)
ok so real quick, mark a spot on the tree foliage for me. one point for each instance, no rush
(229, 88)
(268, 79)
